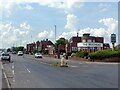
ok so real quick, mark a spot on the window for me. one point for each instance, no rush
(83, 40)
(89, 40)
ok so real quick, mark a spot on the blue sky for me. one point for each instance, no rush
(21, 20)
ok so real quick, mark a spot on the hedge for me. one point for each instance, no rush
(105, 54)
(80, 54)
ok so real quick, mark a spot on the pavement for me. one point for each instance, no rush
(29, 72)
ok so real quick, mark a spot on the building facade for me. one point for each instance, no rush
(91, 43)
(43, 45)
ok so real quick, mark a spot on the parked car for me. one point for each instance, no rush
(38, 55)
(20, 53)
(6, 56)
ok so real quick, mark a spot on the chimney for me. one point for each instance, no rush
(77, 34)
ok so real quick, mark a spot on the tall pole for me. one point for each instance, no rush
(55, 41)
(55, 33)
(31, 38)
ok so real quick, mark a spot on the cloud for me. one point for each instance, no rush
(66, 6)
(68, 35)
(28, 7)
(45, 35)
(110, 26)
(72, 22)
(25, 25)
(103, 7)
(11, 34)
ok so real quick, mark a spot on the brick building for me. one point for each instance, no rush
(91, 43)
(43, 45)
(47, 45)
(72, 46)
(31, 47)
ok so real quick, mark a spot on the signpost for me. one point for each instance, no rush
(113, 40)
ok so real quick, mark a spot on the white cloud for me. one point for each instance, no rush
(68, 35)
(45, 35)
(66, 6)
(10, 34)
(72, 22)
(25, 25)
(28, 7)
(111, 27)
(111, 24)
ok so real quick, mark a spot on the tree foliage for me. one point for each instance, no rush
(61, 41)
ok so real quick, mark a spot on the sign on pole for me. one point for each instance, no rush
(113, 38)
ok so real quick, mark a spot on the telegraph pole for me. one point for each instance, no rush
(31, 38)
(55, 41)
(55, 32)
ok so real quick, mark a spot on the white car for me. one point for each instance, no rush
(20, 53)
(6, 56)
(38, 55)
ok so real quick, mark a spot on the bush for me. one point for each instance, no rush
(44, 51)
(104, 54)
(69, 53)
(81, 54)
(73, 54)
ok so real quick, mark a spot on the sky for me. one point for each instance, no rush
(26, 21)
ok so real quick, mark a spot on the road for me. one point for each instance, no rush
(29, 72)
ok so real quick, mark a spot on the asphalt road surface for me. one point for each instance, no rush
(28, 72)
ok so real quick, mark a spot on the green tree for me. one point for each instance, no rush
(8, 50)
(21, 48)
(61, 41)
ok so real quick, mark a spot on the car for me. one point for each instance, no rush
(14, 52)
(20, 53)
(38, 55)
(6, 56)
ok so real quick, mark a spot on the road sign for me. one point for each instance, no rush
(113, 38)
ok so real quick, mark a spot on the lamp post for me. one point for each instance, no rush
(55, 41)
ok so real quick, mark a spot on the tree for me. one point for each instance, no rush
(8, 50)
(21, 48)
(61, 41)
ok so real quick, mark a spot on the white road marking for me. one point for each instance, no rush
(72, 66)
(13, 72)
(5, 76)
(27, 69)
(13, 65)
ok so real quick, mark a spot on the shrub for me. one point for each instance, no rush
(81, 54)
(69, 53)
(104, 54)
(73, 54)
(44, 51)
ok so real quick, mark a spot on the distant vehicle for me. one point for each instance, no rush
(38, 55)
(6, 56)
(20, 53)
(14, 52)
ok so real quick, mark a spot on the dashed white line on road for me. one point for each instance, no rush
(27, 69)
